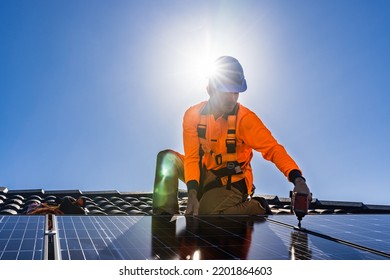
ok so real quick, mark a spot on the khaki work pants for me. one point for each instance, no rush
(170, 169)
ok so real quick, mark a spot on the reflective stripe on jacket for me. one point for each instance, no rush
(251, 135)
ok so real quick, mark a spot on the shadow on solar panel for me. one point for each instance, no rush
(203, 238)
(242, 238)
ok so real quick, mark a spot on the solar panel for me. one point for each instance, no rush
(372, 231)
(21, 237)
(227, 237)
(103, 237)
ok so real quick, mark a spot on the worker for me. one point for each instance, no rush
(219, 137)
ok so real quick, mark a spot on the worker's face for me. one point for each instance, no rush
(223, 102)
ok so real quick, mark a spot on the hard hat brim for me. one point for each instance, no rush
(231, 87)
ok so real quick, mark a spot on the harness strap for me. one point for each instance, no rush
(230, 155)
(231, 134)
(233, 168)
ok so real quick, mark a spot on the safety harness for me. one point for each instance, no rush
(228, 163)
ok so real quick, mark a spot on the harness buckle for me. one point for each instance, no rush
(218, 159)
(231, 145)
(201, 129)
(230, 165)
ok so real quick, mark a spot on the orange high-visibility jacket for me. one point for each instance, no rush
(251, 134)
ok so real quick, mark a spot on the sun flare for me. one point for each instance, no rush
(203, 67)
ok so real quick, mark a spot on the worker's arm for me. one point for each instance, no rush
(191, 148)
(191, 159)
(255, 134)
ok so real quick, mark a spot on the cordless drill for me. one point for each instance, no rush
(299, 205)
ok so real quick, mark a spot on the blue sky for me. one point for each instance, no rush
(90, 91)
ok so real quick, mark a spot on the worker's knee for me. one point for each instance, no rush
(165, 153)
(169, 163)
(166, 158)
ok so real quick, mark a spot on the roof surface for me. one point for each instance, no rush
(112, 202)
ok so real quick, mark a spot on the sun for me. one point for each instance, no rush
(203, 67)
(208, 68)
(194, 66)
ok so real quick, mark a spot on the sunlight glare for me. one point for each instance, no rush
(203, 67)
(208, 68)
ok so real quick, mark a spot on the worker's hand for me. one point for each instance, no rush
(301, 187)
(193, 203)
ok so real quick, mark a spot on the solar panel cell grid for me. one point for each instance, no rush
(21, 237)
(228, 237)
(193, 237)
(371, 231)
(99, 237)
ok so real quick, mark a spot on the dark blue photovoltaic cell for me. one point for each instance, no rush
(21, 237)
(372, 231)
(151, 237)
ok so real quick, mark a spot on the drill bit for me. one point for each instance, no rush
(299, 222)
